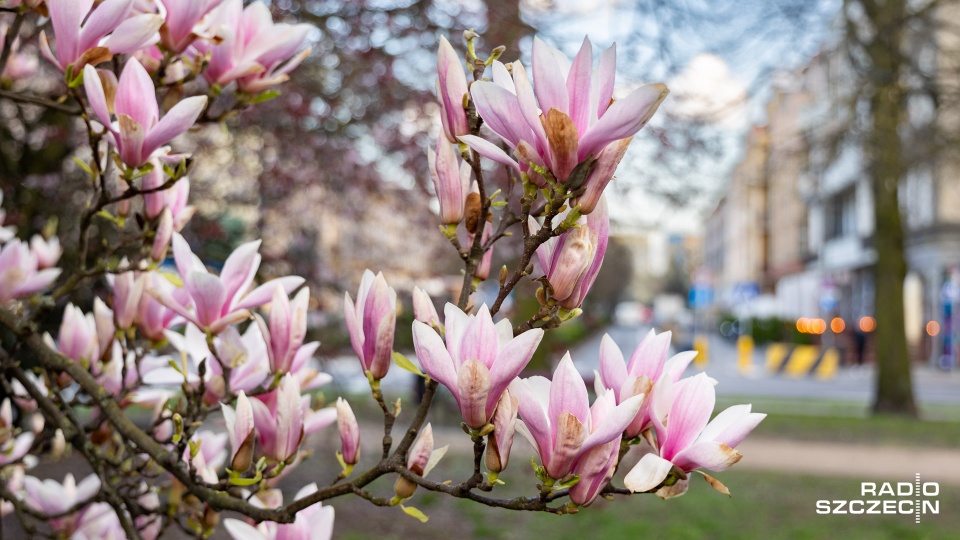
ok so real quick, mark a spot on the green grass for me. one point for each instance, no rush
(845, 422)
(763, 506)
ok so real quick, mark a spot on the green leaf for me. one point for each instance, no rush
(404, 363)
(83, 165)
(244, 482)
(265, 96)
(413, 512)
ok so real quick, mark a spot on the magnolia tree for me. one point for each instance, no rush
(221, 361)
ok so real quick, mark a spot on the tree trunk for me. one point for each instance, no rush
(884, 153)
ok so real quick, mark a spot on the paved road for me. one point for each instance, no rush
(853, 384)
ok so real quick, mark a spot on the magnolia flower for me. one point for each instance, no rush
(13, 479)
(478, 362)
(423, 308)
(280, 425)
(451, 89)
(254, 51)
(211, 454)
(182, 22)
(314, 522)
(504, 427)
(78, 338)
(162, 236)
(287, 328)
(372, 322)
(103, 320)
(20, 272)
(569, 117)
(19, 65)
(421, 458)
(246, 356)
(48, 252)
(349, 432)
(127, 290)
(173, 198)
(52, 497)
(139, 131)
(12, 448)
(85, 36)
(451, 181)
(597, 465)
(572, 260)
(482, 271)
(558, 421)
(647, 365)
(240, 430)
(217, 302)
(154, 318)
(685, 439)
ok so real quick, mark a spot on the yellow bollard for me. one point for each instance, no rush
(745, 354)
(700, 345)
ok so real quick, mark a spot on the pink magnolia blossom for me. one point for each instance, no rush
(451, 181)
(646, 366)
(213, 446)
(240, 430)
(686, 438)
(19, 65)
(255, 51)
(482, 271)
(423, 308)
(78, 338)
(246, 356)
(500, 441)
(287, 328)
(173, 198)
(312, 523)
(12, 446)
(558, 421)
(349, 432)
(451, 89)
(597, 465)
(20, 272)
(372, 322)
(154, 318)
(478, 362)
(127, 290)
(103, 319)
(280, 425)
(217, 302)
(79, 26)
(48, 251)
(567, 117)
(139, 131)
(52, 497)
(572, 260)
(162, 237)
(183, 22)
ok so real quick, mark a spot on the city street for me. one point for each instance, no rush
(850, 384)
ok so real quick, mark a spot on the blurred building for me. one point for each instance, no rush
(797, 218)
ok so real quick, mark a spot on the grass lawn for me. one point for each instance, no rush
(844, 422)
(764, 505)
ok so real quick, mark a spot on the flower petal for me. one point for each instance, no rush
(647, 474)
(433, 356)
(623, 119)
(177, 121)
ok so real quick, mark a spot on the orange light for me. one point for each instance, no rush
(819, 326)
(837, 325)
(933, 328)
(868, 323)
(802, 325)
